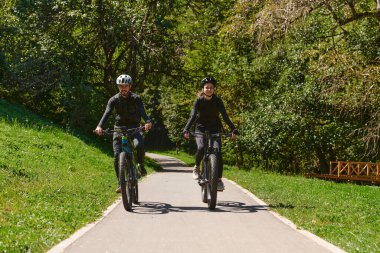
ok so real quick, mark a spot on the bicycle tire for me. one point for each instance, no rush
(136, 194)
(135, 184)
(125, 182)
(204, 186)
(212, 184)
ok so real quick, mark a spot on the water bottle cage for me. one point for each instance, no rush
(126, 145)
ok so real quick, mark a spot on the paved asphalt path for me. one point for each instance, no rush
(172, 218)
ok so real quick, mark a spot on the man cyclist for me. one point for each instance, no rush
(129, 110)
(205, 113)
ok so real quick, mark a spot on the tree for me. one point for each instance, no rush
(325, 46)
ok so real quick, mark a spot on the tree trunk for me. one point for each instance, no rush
(323, 165)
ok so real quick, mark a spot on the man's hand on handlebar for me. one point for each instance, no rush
(148, 126)
(234, 134)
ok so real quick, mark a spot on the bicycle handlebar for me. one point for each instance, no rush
(216, 135)
(122, 130)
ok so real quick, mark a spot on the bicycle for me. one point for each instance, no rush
(209, 177)
(128, 166)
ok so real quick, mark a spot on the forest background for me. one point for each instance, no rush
(299, 78)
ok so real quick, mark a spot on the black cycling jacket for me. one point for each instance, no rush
(205, 114)
(128, 110)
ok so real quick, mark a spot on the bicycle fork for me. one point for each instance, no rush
(203, 180)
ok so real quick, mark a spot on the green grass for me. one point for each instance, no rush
(52, 182)
(347, 215)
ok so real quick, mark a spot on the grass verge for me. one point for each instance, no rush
(51, 182)
(346, 215)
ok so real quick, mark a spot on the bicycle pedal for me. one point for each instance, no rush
(202, 182)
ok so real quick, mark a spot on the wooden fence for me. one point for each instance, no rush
(352, 171)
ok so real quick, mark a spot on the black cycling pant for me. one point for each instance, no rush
(217, 144)
(117, 148)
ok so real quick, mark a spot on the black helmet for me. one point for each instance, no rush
(124, 80)
(208, 79)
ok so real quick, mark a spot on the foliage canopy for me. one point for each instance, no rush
(299, 78)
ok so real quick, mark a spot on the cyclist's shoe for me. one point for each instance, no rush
(220, 186)
(118, 189)
(196, 173)
(143, 171)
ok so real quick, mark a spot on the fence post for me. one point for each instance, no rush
(349, 170)
(339, 167)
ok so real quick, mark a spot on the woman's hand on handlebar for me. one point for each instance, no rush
(186, 135)
(99, 130)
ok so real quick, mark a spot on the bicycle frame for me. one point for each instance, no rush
(126, 140)
(128, 171)
(209, 175)
(128, 147)
(209, 149)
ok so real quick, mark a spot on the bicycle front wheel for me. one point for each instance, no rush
(135, 188)
(125, 182)
(136, 193)
(204, 185)
(212, 181)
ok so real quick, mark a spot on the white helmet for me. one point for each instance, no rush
(124, 80)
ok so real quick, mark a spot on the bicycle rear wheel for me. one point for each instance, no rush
(125, 182)
(212, 181)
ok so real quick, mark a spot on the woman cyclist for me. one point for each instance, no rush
(205, 113)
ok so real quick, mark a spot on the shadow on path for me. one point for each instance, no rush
(222, 206)
(177, 170)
